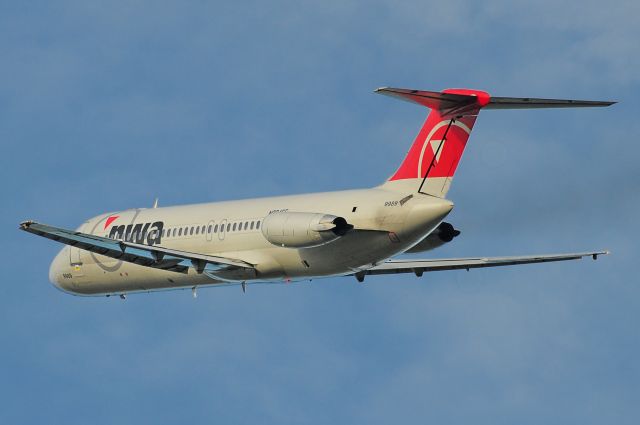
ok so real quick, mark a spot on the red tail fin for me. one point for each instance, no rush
(433, 158)
(437, 148)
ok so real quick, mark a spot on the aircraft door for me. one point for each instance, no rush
(74, 256)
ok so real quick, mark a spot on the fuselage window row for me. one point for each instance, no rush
(212, 228)
(197, 230)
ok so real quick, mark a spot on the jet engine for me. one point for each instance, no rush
(303, 230)
(442, 234)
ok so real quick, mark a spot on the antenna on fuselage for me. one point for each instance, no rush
(155, 203)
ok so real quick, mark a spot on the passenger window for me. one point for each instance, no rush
(246, 225)
(209, 229)
(251, 227)
(228, 226)
(215, 229)
(257, 224)
(197, 230)
(180, 232)
(234, 227)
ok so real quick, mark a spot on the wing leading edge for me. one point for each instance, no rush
(420, 266)
(144, 255)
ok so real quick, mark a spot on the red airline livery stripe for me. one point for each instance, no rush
(110, 220)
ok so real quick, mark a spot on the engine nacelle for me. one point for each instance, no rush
(442, 234)
(303, 230)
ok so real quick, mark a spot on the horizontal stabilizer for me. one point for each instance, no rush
(464, 101)
(532, 103)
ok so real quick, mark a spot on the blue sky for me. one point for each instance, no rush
(105, 106)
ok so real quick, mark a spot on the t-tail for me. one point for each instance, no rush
(433, 158)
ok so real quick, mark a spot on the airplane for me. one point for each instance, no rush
(299, 237)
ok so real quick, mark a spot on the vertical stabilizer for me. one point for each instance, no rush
(433, 158)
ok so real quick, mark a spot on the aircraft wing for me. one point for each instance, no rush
(420, 266)
(144, 255)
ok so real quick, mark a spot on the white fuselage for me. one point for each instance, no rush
(385, 222)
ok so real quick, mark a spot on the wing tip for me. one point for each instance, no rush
(594, 255)
(26, 224)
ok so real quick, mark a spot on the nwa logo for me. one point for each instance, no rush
(142, 233)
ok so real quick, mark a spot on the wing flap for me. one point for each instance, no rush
(421, 266)
(145, 255)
